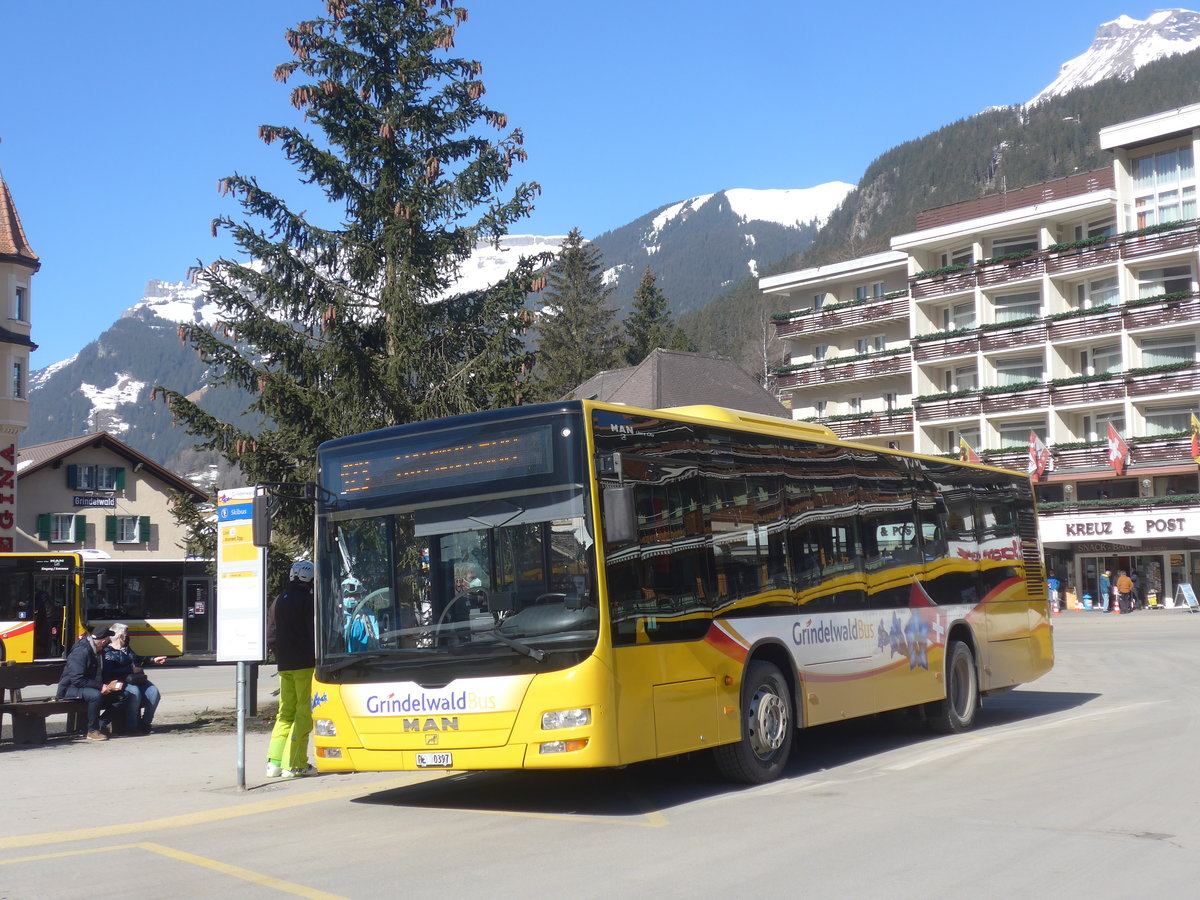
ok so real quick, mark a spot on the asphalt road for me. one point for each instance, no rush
(1079, 785)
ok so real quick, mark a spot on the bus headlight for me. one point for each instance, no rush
(566, 718)
(325, 727)
(329, 752)
(562, 746)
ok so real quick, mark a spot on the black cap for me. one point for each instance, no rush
(102, 631)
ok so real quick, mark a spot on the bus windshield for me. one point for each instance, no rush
(465, 576)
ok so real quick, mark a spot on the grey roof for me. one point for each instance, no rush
(673, 378)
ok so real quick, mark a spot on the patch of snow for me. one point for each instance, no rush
(675, 211)
(488, 264)
(1123, 46)
(791, 207)
(124, 390)
(613, 275)
(41, 376)
(752, 264)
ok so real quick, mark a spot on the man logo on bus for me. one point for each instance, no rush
(446, 723)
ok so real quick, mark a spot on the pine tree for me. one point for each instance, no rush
(577, 335)
(649, 325)
(338, 330)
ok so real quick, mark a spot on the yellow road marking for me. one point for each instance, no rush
(291, 801)
(258, 878)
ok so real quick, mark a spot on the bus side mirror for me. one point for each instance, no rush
(260, 519)
(620, 515)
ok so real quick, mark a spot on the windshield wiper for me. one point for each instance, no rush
(532, 652)
(354, 658)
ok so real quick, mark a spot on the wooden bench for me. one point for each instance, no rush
(29, 716)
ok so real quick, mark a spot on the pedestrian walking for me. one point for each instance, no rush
(290, 635)
(1124, 591)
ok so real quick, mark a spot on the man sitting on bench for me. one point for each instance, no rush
(82, 678)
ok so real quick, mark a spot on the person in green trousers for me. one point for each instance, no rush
(290, 635)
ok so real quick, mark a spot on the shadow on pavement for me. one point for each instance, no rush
(662, 784)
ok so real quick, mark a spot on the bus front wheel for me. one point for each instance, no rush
(957, 712)
(767, 728)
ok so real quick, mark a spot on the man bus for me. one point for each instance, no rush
(39, 605)
(581, 584)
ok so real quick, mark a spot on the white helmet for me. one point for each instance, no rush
(302, 570)
(351, 586)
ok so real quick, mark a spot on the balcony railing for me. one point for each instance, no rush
(1056, 261)
(845, 317)
(853, 369)
(873, 426)
(1034, 333)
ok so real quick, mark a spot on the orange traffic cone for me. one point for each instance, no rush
(1116, 605)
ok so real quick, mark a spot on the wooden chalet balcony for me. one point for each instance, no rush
(1163, 242)
(852, 369)
(941, 285)
(847, 317)
(1142, 454)
(873, 426)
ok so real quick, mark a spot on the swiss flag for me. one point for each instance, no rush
(1118, 450)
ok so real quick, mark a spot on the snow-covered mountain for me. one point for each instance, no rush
(1124, 45)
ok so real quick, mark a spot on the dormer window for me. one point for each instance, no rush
(96, 478)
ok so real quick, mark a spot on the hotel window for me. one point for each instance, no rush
(860, 293)
(1101, 360)
(879, 342)
(1011, 307)
(1164, 187)
(818, 301)
(1106, 226)
(1095, 428)
(878, 289)
(18, 380)
(127, 529)
(20, 311)
(960, 315)
(891, 401)
(1098, 292)
(1168, 420)
(962, 378)
(1164, 351)
(62, 528)
(96, 478)
(1018, 370)
(862, 345)
(855, 405)
(954, 436)
(964, 256)
(1006, 245)
(822, 407)
(1017, 433)
(1169, 280)
(819, 351)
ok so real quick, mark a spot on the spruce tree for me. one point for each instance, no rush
(338, 329)
(577, 335)
(649, 325)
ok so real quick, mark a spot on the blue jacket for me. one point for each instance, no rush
(82, 669)
(119, 664)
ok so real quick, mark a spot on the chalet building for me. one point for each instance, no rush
(1052, 329)
(18, 263)
(97, 496)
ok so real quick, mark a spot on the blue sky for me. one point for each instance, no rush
(119, 119)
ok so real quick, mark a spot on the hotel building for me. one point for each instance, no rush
(1057, 314)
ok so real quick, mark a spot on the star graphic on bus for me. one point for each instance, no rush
(917, 633)
(897, 644)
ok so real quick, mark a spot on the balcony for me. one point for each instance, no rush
(844, 316)
(1023, 336)
(968, 406)
(1148, 384)
(945, 348)
(855, 368)
(1143, 453)
(1089, 392)
(1027, 399)
(1090, 326)
(1132, 245)
(875, 425)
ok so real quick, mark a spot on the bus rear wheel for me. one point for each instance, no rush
(957, 712)
(767, 728)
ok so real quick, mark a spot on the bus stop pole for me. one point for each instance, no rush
(241, 726)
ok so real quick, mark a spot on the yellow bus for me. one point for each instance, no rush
(39, 605)
(581, 584)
